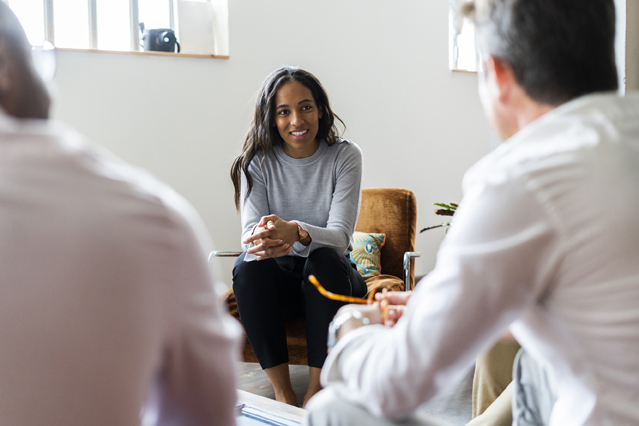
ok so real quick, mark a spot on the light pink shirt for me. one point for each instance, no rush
(106, 298)
(546, 240)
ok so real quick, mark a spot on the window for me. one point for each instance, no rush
(31, 15)
(114, 25)
(461, 35)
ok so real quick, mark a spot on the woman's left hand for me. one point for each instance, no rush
(274, 237)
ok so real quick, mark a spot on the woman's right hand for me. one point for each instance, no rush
(265, 247)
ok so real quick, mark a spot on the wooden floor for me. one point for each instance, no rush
(452, 405)
(253, 379)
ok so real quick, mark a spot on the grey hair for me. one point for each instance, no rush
(558, 49)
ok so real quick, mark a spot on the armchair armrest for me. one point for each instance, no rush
(407, 257)
(215, 254)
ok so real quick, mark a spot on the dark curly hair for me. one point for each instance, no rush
(263, 133)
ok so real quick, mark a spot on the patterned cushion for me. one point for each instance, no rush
(365, 254)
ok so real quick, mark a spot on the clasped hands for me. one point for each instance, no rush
(272, 237)
(397, 301)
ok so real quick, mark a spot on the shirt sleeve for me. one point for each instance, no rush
(494, 263)
(342, 218)
(196, 383)
(255, 206)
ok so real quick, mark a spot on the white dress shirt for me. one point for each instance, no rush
(106, 298)
(546, 241)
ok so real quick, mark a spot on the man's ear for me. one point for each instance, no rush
(5, 69)
(502, 77)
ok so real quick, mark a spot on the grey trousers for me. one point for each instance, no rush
(527, 401)
(533, 397)
(328, 409)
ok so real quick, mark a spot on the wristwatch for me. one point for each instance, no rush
(301, 233)
(337, 323)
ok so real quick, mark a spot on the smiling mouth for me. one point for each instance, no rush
(299, 132)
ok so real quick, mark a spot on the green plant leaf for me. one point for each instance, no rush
(444, 205)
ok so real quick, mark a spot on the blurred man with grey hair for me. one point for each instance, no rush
(544, 242)
(108, 313)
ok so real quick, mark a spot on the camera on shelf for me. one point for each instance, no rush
(159, 40)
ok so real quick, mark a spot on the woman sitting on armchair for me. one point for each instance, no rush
(298, 188)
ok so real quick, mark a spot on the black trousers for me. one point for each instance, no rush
(270, 291)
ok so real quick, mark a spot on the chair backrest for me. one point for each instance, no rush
(390, 211)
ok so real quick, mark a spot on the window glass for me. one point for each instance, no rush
(461, 36)
(114, 27)
(466, 59)
(31, 16)
(155, 13)
(71, 23)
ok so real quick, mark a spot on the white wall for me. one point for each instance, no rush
(632, 45)
(627, 44)
(384, 65)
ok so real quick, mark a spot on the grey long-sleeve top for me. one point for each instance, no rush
(321, 192)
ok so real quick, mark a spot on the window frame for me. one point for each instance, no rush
(134, 25)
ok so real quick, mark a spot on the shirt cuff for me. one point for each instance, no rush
(301, 250)
(331, 371)
(249, 257)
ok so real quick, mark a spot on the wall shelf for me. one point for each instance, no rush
(124, 52)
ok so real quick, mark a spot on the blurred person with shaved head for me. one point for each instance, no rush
(109, 311)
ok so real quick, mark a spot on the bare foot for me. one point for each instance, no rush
(314, 385)
(308, 396)
(287, 398)
(281, 381)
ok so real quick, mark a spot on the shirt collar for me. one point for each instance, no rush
(574, 107)
(35, 126)
(588, 110)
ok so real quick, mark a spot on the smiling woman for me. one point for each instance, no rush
(297, 120)
(298, 188)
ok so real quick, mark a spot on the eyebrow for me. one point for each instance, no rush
(299, 103)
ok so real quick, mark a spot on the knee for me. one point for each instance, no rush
(245, 274)
(496, 365)
(322, 259)
(325, 254)
(331, 269)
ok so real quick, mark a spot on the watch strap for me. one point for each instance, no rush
(337, 323)
(301, 233)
